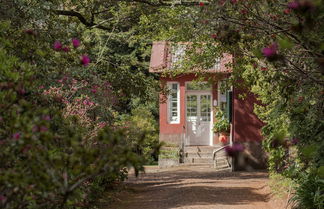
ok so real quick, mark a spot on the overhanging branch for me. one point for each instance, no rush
(81, 18)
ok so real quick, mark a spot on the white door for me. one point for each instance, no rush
(198, 112)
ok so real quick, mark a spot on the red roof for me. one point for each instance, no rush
(161, 59)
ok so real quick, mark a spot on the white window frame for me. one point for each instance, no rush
(177, 121)
(217, 65)
(178, 55)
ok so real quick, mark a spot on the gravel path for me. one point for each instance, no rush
(197, 188)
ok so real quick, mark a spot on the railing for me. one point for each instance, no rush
(215, 156)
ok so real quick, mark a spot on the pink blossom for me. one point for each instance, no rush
(16, 136)
(21, 91)
(66, 49)
(293, 5)
(234, 1)
(57, 46)
(270, 50)
(85, 60)
(3, 198)
(30, 32)
(41, 87)
(76, 42)
(46, 117)
(214, 36)
(102, 124)
(94, 90)
(287, 11)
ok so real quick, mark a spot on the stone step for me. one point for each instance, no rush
(198, 155)
(206, 165)
(199, 160)
(224, 169)
(205, 149)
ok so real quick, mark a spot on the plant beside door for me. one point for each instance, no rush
(221, 126)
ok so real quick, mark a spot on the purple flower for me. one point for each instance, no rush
(234, 149)
(270, 50)
(293, 5)
(76, 42)
(16, 136)
(85, 60)
(66, 49)
(57, 46)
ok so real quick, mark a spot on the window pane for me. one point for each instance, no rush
(173, 102)
(205, 107)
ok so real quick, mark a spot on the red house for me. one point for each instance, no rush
(187, 115)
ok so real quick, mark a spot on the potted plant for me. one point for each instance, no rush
(221, 126)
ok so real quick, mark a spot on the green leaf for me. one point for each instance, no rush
(320, 172)
(309, 151)
(257, 53)
(285, 43)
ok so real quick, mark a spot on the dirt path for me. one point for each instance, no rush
(197, 188)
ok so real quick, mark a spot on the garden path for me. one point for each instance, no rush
(197, 188)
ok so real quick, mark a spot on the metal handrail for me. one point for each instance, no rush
(215, 153)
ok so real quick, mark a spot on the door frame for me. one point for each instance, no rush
(198, 93)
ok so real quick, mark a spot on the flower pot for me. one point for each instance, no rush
(223, 138)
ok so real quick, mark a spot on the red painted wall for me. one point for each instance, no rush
(246, 125)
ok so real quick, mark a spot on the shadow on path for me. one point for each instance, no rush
(194, 189)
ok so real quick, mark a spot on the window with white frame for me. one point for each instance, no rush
(174, 102)
(217, 63)
(178, 54)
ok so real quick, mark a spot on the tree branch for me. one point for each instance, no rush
(81, 18)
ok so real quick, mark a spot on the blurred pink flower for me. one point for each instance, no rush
(293, 5)
(234, 149)
(270, 51)
(46, 117)
(30, 32)
(85, 60)
(2, 198)
(66, 49)
(57, 46)
(76, 42)
(16, 136)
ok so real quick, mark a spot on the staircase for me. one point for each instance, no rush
(204, 156)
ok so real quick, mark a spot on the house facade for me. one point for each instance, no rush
(187, 113)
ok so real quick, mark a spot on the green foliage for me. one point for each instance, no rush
(142, 132)
(221, 125)
(288, 82)
(280, 185)
(309, 192)
(55, 145)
